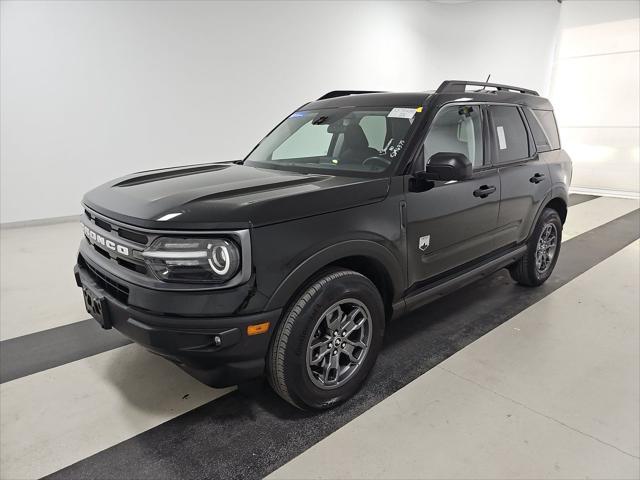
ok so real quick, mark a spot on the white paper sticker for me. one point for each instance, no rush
(402, 113)
(502, 141)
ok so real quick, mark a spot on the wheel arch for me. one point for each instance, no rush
(557, 199)
(560, 206)
(366, 257)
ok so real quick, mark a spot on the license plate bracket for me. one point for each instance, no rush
(97, 306)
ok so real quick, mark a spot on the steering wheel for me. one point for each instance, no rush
(383, 162)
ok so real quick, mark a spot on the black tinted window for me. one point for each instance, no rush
(548, 122)
(543, 144)
(510, 133)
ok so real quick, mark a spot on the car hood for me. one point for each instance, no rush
(227, 195)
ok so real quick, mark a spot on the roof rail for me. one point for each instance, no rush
(459, 86)
(344, 93)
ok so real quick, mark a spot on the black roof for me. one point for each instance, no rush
(376, 99)
(449, 91)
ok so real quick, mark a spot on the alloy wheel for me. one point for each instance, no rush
(546, 247)
(339, 343)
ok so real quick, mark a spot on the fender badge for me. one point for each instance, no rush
(423, 242)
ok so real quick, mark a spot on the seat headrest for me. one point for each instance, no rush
(354, 138)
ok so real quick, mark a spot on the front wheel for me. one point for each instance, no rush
(543, 248)
(328, 341)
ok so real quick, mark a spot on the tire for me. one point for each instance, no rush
(527, 271)
(298, 372)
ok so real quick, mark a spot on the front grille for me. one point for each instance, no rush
(136, 267)
(133, 260)
(102, 224)
(116, 289)
(133, 236)
(102, 252)
(125, 233)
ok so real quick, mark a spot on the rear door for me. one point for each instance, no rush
(454, 222)
(524, 177)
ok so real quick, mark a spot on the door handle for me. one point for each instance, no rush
(537, 178)
(484, 191)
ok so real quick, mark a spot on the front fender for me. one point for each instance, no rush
(349, 248)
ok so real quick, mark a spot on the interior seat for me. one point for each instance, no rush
(355, 147)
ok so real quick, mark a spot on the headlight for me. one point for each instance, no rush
(196, 260)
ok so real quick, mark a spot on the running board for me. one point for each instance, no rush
(447, 285)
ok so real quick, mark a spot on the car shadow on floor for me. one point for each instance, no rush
(153, 385)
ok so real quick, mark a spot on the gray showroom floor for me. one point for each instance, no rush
(495, 381)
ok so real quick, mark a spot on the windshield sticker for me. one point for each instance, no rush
(419, 110)
(502, 141)
(298, 114)
(402, 113)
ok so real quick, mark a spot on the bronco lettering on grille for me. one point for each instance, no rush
(104, 242)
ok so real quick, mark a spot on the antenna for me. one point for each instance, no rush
(484, 86)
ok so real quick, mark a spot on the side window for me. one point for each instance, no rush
(543, 144)
(510, 133)
(309, 141)
(375, 129)
(456, 128)
(548, 121)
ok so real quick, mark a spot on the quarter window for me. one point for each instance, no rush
(458, 129)
(510, 134)
(548, 121)
(542, 141)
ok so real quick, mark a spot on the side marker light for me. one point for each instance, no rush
(258, 329)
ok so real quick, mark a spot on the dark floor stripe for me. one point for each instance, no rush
(576, 198)
(251, 432)
(51, 348)
(39, 351)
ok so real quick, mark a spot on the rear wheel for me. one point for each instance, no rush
(543, 248)
(328, 341)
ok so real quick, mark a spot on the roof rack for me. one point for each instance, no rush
(344, 93)
(459, 86)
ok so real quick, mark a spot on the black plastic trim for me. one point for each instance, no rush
(453, 281)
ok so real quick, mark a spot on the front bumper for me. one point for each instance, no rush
(215, 350)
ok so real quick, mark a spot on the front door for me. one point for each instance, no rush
(454, 222)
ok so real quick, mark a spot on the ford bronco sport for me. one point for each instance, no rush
(356, 208)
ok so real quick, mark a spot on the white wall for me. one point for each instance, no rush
(91, 90)
(596, 93)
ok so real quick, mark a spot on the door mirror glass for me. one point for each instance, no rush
(447, 166)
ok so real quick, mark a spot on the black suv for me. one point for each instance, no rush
(356, 208)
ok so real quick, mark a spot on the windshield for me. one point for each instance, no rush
(348, 140)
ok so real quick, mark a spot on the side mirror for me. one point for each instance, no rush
(446, 166)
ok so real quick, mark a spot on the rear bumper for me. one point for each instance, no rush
(215, 350)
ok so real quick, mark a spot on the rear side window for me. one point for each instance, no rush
(544, 122)
(510, 134)
(543, 144)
